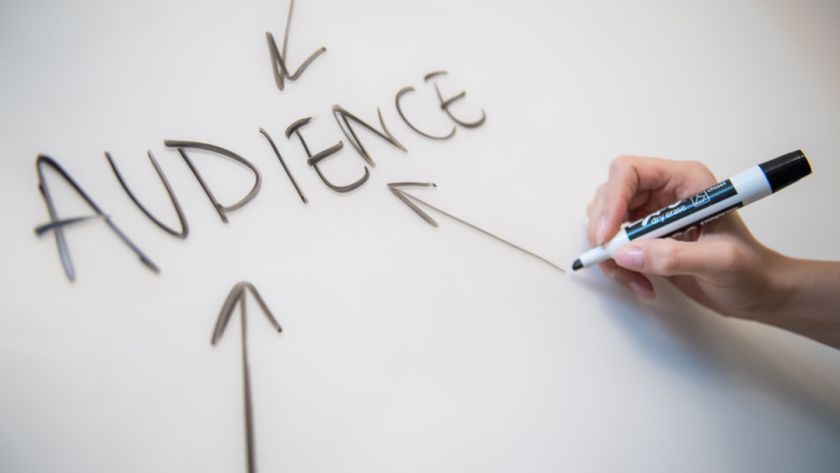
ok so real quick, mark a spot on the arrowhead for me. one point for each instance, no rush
(409, 200)
(278, 58)
(234, 296)
(395, 188)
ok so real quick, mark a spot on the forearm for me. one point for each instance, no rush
(811, 302)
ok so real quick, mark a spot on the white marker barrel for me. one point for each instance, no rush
(739, 190)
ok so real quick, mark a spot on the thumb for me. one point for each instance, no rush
(669, 257)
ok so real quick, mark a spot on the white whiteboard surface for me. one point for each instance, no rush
(405, 348)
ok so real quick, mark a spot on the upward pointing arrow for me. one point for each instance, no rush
(237, 295)
(411, 201)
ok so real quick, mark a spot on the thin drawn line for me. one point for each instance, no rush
(446, 103)
(237, 295)
(313, 160)
(220, 209)
(185, 228)
(347, 129)
(56, 225)
(398, 102)
(285, 168)
(405, 197)
(278, 59)
(42, 229)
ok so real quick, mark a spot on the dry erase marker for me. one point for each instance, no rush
(737, 191)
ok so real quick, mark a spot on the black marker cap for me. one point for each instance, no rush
(786, 169)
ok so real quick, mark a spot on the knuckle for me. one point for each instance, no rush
(731, 257)
(667, 260)
(593, 204)
(599, 192)
(590, 210)
(608, 268)
(700, 169)
(619, 163)
(623, 180)
(696, 164)
(601, 189)
(590, 232)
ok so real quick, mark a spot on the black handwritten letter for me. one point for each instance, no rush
(185, 228)
(398, 103)
(446, 103)
(57, 225)
(283, 163)
(221, 209)
(313, 160)
(343, 117)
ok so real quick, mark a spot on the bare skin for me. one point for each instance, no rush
(721, 265)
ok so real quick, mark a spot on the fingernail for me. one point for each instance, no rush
(631, 257)
(601, 234)
(641, 289)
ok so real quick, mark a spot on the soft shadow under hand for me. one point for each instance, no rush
(678, 335)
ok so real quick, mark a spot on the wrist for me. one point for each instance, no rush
(786, 276)
(780, 276)
(809, 300)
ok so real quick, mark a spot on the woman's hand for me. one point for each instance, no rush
(720, 265)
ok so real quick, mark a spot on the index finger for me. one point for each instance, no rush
(630, 175)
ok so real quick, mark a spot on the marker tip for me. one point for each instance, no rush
(577, 265)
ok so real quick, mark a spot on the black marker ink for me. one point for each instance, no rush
(397, 102)
(40, 230)
(342, 115)
(285, 168)
(185, 228)
(278, 59)
(237, 295)
(446, 103)
(220, 209)
(315, 159)
(56, 225)
(731, 194)
(407, 199)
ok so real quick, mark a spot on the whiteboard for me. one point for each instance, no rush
(405, 348)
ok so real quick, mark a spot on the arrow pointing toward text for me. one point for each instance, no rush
(237, 295)
(411, 201)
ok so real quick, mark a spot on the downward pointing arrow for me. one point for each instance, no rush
(412, 201)
(237, 295)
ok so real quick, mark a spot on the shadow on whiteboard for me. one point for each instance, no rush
(686, 339)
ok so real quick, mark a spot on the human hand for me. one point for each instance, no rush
(720, 264)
